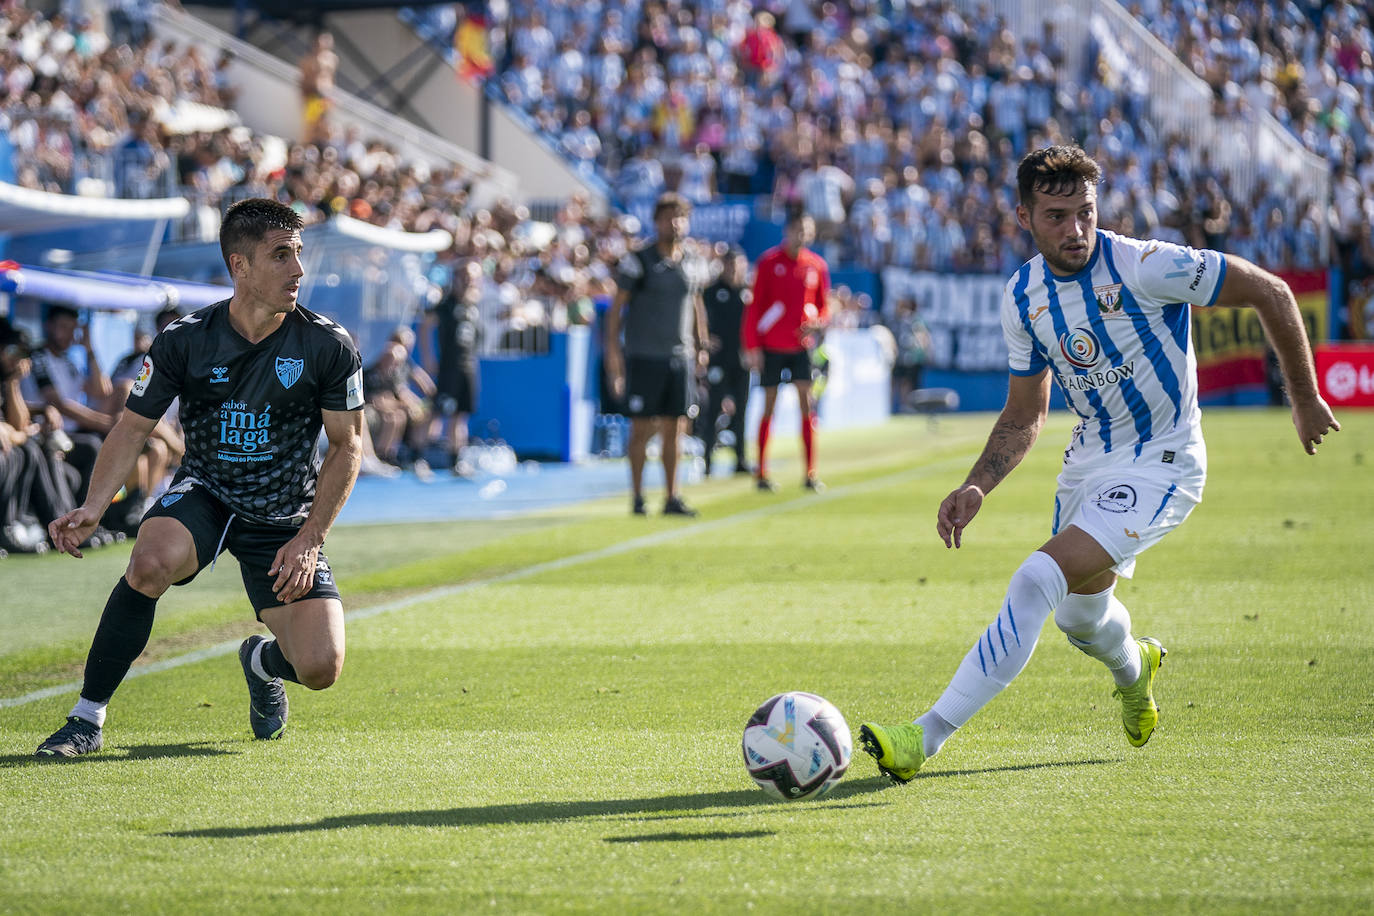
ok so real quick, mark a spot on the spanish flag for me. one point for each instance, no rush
(470, 41)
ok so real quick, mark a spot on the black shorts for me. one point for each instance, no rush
(214, 527)
(660, 387)
(456, 390)
(779, 367)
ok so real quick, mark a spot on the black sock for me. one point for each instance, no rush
(275, 664)
(121, 636)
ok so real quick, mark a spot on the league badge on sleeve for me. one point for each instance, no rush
(145, 375)
(355, 390)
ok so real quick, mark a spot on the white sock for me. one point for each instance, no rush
(1036, 588)
(934, 732)
(90, 710)
(255, 660)
(1100, 626)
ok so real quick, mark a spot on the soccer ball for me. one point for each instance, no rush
(797, 745)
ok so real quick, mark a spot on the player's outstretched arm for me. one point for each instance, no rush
(116, 460)
(1028, 403)
(1249, 285)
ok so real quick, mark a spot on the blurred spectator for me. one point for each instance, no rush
(68, 387)
(318, 67)
(727, 375)
(397, 412)
(913, 350)
(455, 324)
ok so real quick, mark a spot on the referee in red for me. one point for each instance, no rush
(791, 283)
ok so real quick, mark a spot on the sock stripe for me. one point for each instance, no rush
(1002, 636)
(981, 662)
(1012, 619)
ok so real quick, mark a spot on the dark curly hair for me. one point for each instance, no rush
(1055, 170)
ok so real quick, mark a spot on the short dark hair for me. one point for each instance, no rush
(671, 200)
(795, 217)
(1058, 170)
(246, 222)
(58, 310)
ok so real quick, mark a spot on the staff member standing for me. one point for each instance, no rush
(728, 376)
(659, 306)
(789, 304)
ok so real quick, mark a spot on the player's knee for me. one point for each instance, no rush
(151, 573)
(320, 672)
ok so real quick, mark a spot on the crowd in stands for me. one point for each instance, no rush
(57, 405)
(897, 124)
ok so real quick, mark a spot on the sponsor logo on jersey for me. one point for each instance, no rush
(219, 375)
(1118, 499)
(1103, 379)
(1080, 348)
(289, 370)
(145, 375)
(1108, 300)
(244, 434)
(1198, 274)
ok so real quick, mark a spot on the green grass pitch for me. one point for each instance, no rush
(543, 714)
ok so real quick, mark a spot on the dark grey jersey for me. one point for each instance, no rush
(660, 315)
(251, 412)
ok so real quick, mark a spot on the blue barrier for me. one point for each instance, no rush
(541, 405)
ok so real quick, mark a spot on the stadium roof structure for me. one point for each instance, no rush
(26, 211)
(106, 290)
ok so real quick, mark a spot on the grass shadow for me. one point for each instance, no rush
(677, 837)
(1053, 764)
(122, 754)
(532, 812)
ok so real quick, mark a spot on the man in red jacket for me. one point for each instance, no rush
(790, 287)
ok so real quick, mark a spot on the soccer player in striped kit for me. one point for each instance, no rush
(1107, 317)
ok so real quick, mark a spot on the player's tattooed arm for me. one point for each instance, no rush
(1028, 403)
(1011, 438)
(1016, 429)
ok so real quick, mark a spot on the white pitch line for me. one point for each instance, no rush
(448, 591)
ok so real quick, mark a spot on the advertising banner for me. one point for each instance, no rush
(1345, 374)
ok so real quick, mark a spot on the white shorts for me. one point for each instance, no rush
(1129, 508)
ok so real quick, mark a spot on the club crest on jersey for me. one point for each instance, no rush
(1080, 348)
(289, 370)
(1108, 300)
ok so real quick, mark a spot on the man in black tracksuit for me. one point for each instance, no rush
(727, 376)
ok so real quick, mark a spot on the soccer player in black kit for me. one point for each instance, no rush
(258, 376)
(728, 375)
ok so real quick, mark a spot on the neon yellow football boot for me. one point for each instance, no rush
(898, 749)
(1139, 713)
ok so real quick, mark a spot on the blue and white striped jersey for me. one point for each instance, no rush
(1116, 336)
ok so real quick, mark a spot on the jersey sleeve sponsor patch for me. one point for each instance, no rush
(355, 390)
(145, 375)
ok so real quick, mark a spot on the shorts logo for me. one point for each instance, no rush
(322, 572)
(1117, 499)
(636, 403)
(170, 498)
(145, 375)
(289, 370)
(1080, 348)
(1168, 458)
